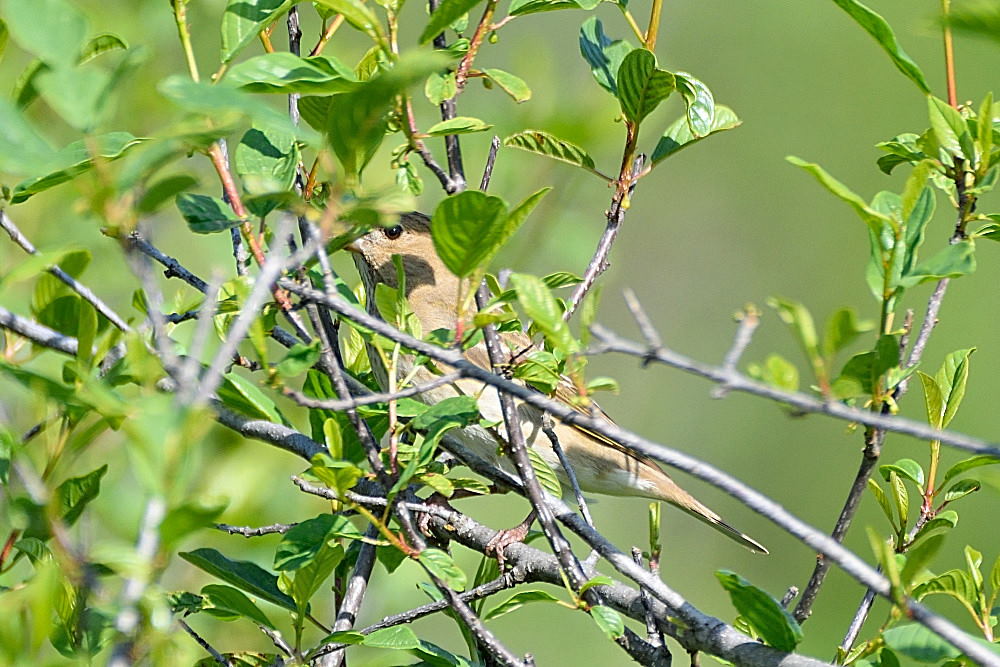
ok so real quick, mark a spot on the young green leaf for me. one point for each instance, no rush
(679, 135)
(206, 215)
(968, 464)
(871, 217)
(397, 637)
(54, 30)
(457, 125)
(764, 614)
(517, 601)
(302, 542)
(243, 20)
(549, 145)
(246, 576)
(266, 160)
(953, 261)
(918, 643)
(603, 54)
(230, 603)
(358, 15)
(776, 371)
(75, 159)
(642, 85)
(285, 73)
(700, 104)
(510, 84)
(950, 129)
(608, 620)
(907, 468)
(877, 27)
(446, 13)
(442, 566)
(538, 303)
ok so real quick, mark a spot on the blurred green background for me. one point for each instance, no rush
(721, 224)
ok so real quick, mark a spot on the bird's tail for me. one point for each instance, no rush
(713, 520)
(669, 492)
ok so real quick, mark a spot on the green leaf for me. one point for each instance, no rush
(446, 13)
(79, 96)
(356, 122)
(907, 468)
(517, 601)
(952, 378)
(953, 261)
(547, 477)
(603, 54)
(186, 519)
(900, 497)
(549, 145)
(266, 161)
(538, 303)
(314, 572)
(22, 149)
(523, 7)
(968, 464)
(457, 125)
(871, 217)
(939, 525)
(461, 227)
(75, 493)
(230, 603)
(961, 488)
(842, 329)
(74, 160)
(240, 394)
(246, 576)
(302, 542)
(797, 316)
(340, 476)
(440, 86)
(679, 135)
(699, 101)
(397, 637)
(882, 500)
(608, 620)
(918, 556)
(442, 566)
(776, 371)
(100, 45)
(53, 30)
(933, 401)
(164, 190)
(284, 73)
(950, 129)
(642, 85)
(206, 215)
(218, 100)
(918, 643)
(243, 20)
(358, 15)
(877, 27)
(299, 359)
(599, 580)
(510, 84)
(763, 613)
(953, 583)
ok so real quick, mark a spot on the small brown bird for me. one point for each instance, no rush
(601, 465)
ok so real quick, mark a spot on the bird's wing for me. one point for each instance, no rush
(565, 393)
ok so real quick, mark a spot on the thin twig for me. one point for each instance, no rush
(337, 405)
(85, 292)
(219, 658)
(491, 159)
(249, 531)
(354, 594)
(615, 216)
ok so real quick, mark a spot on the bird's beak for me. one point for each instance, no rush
(354, 246)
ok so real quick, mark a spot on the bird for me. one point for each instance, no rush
(601, 465)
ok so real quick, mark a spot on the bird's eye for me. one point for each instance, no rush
(393, 232)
